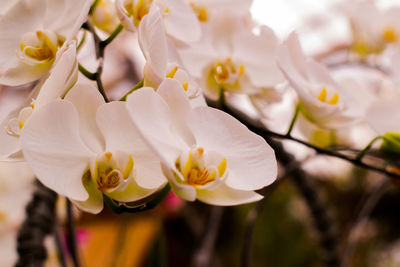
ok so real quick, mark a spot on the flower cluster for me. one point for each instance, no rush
(162, 133)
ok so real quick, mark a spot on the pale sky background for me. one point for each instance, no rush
(319, 22)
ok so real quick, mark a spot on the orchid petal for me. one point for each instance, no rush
(257, 53)
(61, 77)
(226, 196)
(251, 161)
(121, 134)
(23, 73)
(94, 204)
(152, 117)
(174, 95)
(153, 42)
(24, 16)
(87, 100)
(183, 191)
(54, 150)
(180, 20)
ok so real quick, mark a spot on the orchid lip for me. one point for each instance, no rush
(39, 47)
(109, 174)
(200, 168)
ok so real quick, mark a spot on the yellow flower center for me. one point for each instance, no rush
(171, 75)
(139, 10)
(195, 170)
(390, 35)
(323, 94)
(226, 72)
(201, 12)
(104, 16)
(107, 174)
(40, 46)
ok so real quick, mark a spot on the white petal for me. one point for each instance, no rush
(153, 119)
(251, 162)
(23, 73)
(61, 77)
(225, 196)
(24, 16)
(75, 14)
(122, 15)
(199, 56)
(292, 61)
(183, 191)
(87, 100)
(153, 42)
(131, 193)
(54, 150)
(121, 134)
(258, 54)
(94, 204)
(176, 98)
(180, 21)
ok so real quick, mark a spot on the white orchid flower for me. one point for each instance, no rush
(31, 33)
(236, 60)
(104, 16)
(205, 153)
(179, 18)
(81, 147)
(373, 28)
(322, 100)
(61, 78)
(162, 58)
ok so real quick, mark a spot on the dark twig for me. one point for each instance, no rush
(71, 235)
(59, 244)
(204, 253)
(99, 48)
(258, 128)
(38, 223)
(368, 205)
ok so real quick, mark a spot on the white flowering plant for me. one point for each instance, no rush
(197, 113)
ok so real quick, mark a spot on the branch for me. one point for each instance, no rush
(258, 128)
(71, 235)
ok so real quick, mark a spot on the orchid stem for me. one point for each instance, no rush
(112, 36)
(100, 57)
(86, 73)
(362, 153)
(82, 41)
(136, 87)
(71, 235)
(257, 127)
(294, 119)
(93, 6)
